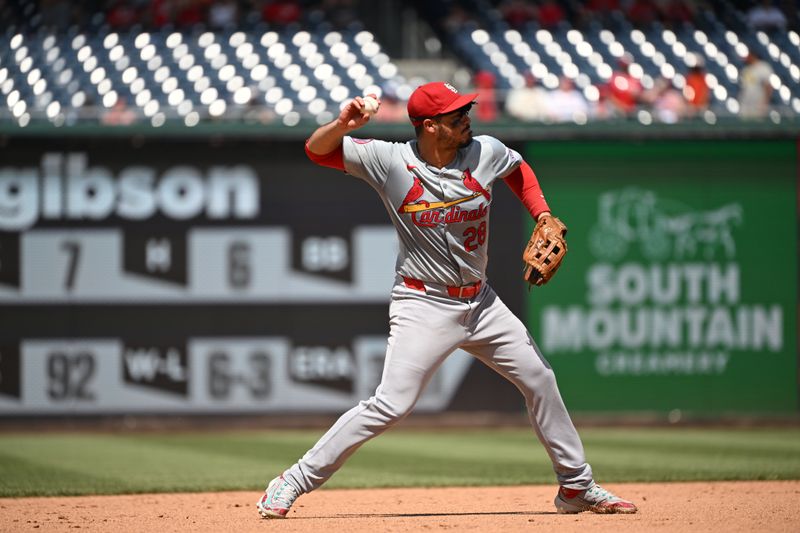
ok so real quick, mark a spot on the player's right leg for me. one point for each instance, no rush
(423, 332)
(502, 342)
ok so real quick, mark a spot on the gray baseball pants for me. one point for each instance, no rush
(426, 327)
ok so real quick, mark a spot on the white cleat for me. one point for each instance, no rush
(595, 499)
(277, 499)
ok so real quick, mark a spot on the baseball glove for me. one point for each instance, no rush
(545, 250)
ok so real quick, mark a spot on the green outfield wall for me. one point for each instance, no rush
(679, 291)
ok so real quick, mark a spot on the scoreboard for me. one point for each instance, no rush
(196, 276)
(232, 264)
(206, 375)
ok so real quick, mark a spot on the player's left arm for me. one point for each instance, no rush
(508, 165)
(523, 183)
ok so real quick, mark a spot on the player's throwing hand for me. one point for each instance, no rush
(353, 115)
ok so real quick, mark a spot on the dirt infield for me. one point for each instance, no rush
(729, 506)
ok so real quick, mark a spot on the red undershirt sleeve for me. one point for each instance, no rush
(526, 187)
(334, 159)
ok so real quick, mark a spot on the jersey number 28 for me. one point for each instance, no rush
(475, 236)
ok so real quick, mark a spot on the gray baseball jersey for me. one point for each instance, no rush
(442, 218)
(441, 214)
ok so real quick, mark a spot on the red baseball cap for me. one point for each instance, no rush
(435, 98)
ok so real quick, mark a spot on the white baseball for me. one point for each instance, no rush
(370, 106)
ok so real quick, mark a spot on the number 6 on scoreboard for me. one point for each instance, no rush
(239, 271)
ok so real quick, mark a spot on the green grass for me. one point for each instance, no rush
(39, 464)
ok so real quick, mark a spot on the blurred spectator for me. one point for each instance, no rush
(602, 6)
(223, 14)
(591, 11)
(696, 91)
(677, 12)
(567, 104)
(486, 110)
(602, 108)
(666, 102)
(189, 13)
(766, 17)
(755, 90)
(624, 91)
(550, 14)
(121, 15)
(161, 13)
(119, 114)
(643, 13)
(281, 12)
(517, 13)
(528, 103)
(602, 9)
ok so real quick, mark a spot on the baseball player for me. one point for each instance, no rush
(437, 190)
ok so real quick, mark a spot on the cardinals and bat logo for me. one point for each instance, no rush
(413, 203)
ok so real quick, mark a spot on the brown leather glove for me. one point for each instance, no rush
(545, 250)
